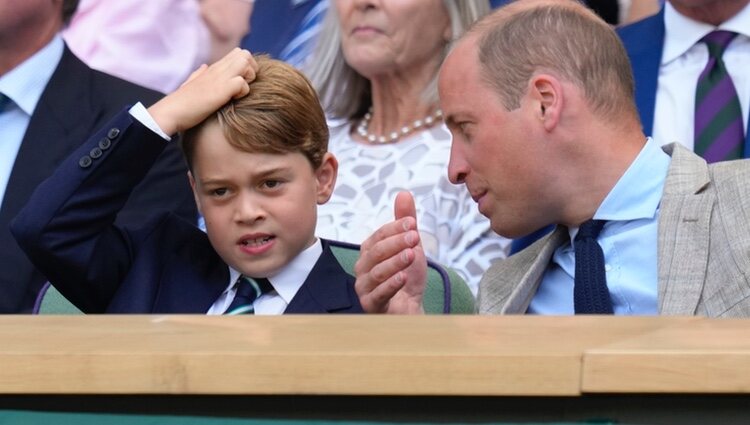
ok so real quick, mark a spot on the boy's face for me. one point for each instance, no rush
(260, 209)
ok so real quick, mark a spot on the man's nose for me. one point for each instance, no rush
(457, 166)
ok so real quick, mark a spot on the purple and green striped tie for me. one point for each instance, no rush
(248, 290)
(718, 118)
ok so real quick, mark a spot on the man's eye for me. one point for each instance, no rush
(219, 192)
(271, 184)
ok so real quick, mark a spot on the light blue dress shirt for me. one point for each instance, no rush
(24, 85)
(629, 242)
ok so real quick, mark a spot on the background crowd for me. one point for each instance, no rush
(67, 68)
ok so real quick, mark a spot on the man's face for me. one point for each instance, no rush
(494, 152)
(712, 12)
(260, 209)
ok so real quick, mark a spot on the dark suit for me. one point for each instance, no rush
(165, 265)
(76, 101)
(644, 42)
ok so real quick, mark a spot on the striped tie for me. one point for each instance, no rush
(248, 290)
(718, 118)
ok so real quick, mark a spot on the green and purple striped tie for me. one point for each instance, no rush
(718, 118)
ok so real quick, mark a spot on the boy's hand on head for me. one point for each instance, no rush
(392, 268)
(205, 91)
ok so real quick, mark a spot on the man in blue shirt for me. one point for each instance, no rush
(545, 132)
(52, 101)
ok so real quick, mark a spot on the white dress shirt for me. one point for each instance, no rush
(683, 61)
(24, 85)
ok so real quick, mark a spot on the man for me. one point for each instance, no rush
(546, 132)
(668, 74)
(51, 102)
(669, 52)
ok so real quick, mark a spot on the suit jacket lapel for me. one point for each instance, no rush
(523, 293)
(684, 224)
(43, 148)
(192, 279)
(41, 152)
(327, 289)
(509, 285)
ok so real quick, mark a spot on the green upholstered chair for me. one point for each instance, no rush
(446, 291)
(51, 301)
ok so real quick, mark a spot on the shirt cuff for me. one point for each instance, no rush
(140, 113)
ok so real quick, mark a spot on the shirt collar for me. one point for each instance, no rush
(682, 33)
(25, 83)
(638, 192)
(291, 277)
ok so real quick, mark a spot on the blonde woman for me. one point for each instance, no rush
(375, 68)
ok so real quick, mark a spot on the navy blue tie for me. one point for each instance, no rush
(590, 295)
(248, 290)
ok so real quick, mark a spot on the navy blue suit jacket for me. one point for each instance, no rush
(76, 101)
(644, 42)
(165, 265)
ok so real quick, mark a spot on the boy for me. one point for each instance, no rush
(258, 168)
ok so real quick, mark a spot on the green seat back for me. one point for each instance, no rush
(51, 301)
(446, 291)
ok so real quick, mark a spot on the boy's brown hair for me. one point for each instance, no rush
(281, 114)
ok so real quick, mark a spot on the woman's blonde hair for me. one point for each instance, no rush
(343, 91)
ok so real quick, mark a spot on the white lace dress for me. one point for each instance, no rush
(453, 232)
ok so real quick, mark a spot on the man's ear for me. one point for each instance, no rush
(195, 191)
(547, 99)
(325, 177)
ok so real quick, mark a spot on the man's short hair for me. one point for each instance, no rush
(561, 37)
(69, 8)
(281, 114)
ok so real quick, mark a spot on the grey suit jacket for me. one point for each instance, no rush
(703, 246)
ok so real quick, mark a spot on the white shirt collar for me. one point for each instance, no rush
(288, 281)
(25, 83)
(681, 32)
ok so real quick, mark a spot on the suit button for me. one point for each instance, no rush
(104, 144)
(85, 161)
(113, 133)
(95, 153)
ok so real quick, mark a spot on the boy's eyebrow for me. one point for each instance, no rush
(255, 176)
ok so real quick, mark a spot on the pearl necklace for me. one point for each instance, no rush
(395, 136)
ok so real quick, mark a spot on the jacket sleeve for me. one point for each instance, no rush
(67, 227)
